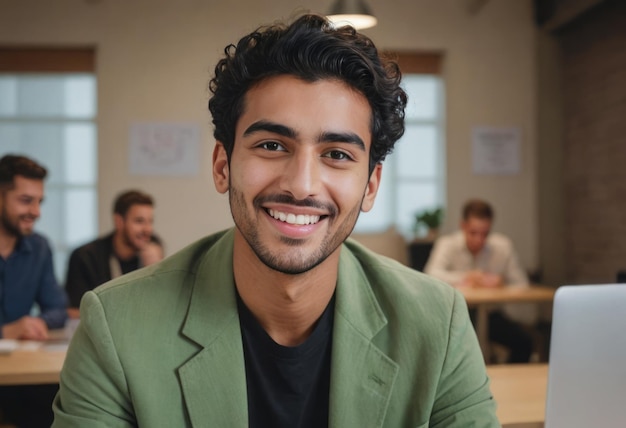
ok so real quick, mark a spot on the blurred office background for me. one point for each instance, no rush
(552, 70)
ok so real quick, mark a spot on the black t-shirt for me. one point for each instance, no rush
(128, 265)
(287, 386)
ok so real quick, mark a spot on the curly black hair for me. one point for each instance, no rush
(311, 49)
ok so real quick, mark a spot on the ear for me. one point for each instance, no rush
(220, 168)
(118, 221)
(372, 188)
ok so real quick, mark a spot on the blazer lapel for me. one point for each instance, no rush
(214, 380)
(214, 384)
(362, 376)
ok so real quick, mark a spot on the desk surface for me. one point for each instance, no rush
(534, 293)
(24, 367)
(520, 391)
(36, 362)
(484, 298)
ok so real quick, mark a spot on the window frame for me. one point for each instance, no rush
(416, 63)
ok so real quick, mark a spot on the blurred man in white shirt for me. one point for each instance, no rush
(475, 257)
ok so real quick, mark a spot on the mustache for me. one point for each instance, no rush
(259, 201)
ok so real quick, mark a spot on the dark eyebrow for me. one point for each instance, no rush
(275, 128)
(285, 131)
(342, 137)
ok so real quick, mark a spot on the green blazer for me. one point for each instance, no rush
(161, 347)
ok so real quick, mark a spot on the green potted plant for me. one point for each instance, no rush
(428, 221)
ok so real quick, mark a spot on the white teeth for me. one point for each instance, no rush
(300, 219)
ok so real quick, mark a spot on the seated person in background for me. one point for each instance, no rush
(474, 257)
(26, 272)
(26, 278)
(114, 254)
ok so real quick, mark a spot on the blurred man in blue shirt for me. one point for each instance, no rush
(26, 279)
(26, 273)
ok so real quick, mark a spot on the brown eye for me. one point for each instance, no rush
(337, 155)
(272, 146)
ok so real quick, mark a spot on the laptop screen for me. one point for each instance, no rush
(587, 368)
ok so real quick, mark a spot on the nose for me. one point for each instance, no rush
(302, 175)
(35, 209)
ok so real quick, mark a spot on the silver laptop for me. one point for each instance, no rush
(587, 371)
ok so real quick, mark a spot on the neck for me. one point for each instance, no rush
(122, 250)
(286, 306)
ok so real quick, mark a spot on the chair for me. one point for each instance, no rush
(419, 253)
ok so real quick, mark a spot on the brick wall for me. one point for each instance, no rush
(594, 93)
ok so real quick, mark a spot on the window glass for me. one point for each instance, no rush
(412, 198)
(51, 119)
(423, 100)
(80, 153)
(40, 96)
(51, 219)
(413, 175)
(377, 218)
(8, 100)
(80, 96)
(10, 136)
(44, 143)
(81, 204)
(417, 152)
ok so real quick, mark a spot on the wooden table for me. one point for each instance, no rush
(36, 362)
(26, 367)
(483, 299)
(520, 391)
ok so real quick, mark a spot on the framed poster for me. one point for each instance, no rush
(496, 151)
(164, 149)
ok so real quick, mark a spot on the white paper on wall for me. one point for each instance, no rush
(164, 149)
(496, 151)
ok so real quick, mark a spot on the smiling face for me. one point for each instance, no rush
(476, 230)
(298, 174)
(21, 206)
(135, 228)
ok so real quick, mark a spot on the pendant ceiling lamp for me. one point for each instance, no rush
(354, 12)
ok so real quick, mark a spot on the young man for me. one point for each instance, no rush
(26, 269)
(114, 254)
(26, 278)
(475, 257)
(281, 322)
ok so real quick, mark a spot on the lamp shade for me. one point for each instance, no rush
(353, 12)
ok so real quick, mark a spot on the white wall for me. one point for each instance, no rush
(154, 59)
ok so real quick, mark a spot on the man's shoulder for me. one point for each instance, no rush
(455, 238)
(390, 276)
(37, 239)
(34, 242)
(97, 246)
(188, 262)
(372, 284)
(500, 241)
